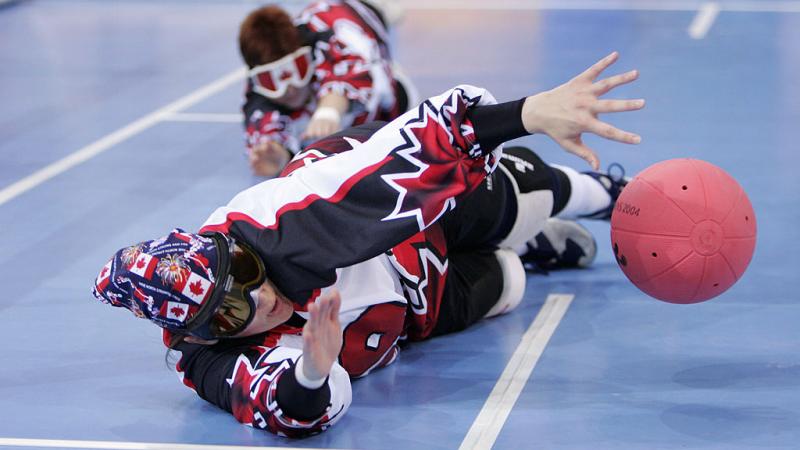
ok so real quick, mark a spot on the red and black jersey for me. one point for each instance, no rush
(351, 57)
(253, 379)
(357, 212)
(354, 205)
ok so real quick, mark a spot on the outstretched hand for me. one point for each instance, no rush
(566, 112)
(322, 336)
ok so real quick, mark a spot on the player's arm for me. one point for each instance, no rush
(349, 75)
(283, 390)
(269, 145)
(347, 69)
(332, 144)
(354, 205)
(370, 340)
(568, 111)
(374, 317)
(327, 118)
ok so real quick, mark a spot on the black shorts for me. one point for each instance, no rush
(475, 228)
(472, 231)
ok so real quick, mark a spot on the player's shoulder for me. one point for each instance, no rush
(340, 142)
(320, 15)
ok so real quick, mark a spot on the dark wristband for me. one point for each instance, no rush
(495, 124)
(301, 403)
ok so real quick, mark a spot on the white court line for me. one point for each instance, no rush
(598, 5)
(495, 411)
(703, 20)
(108, 141)
(204, 117)
(58, 443)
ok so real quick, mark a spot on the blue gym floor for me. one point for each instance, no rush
(621, 370)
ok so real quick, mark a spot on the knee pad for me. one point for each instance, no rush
(513, 282)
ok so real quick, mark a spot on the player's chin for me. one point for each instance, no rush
(283, 309)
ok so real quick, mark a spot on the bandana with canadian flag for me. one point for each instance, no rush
(165, 280)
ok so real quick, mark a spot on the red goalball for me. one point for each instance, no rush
(683, 231)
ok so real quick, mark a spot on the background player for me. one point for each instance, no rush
(310, 76)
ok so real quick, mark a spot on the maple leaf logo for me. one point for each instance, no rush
(445, 169)
(177, 312)
(196, 288)
(104, 272)
(140, 264)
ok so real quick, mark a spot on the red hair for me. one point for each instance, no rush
(267, 34)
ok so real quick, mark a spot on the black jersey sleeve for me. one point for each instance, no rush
(258, 386)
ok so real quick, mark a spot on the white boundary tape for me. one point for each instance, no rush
(204, 117)
(495, 411)
(703, 20)
(114, 138)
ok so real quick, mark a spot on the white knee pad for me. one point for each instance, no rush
(513, 282)
(533, 210)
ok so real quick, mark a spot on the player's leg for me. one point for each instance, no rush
(592, 194)
(542, 192)
(515, 203)
(480, 283)
(512, 209)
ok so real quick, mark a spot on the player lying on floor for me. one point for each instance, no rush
(327, 69)
(409, 222)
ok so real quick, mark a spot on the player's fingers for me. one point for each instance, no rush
(613, 133)
(606, 84)
(336, 303)
(322, 315)
(324, 309)
(313, 315)
(577, 147)
(610, 106)
(593, 72)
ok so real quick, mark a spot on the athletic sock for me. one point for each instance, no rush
(587, 195)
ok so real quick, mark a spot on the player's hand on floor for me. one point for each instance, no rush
(322, 336)
(566, 112)
(268, 158)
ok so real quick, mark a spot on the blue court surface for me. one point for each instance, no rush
(119, 121)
